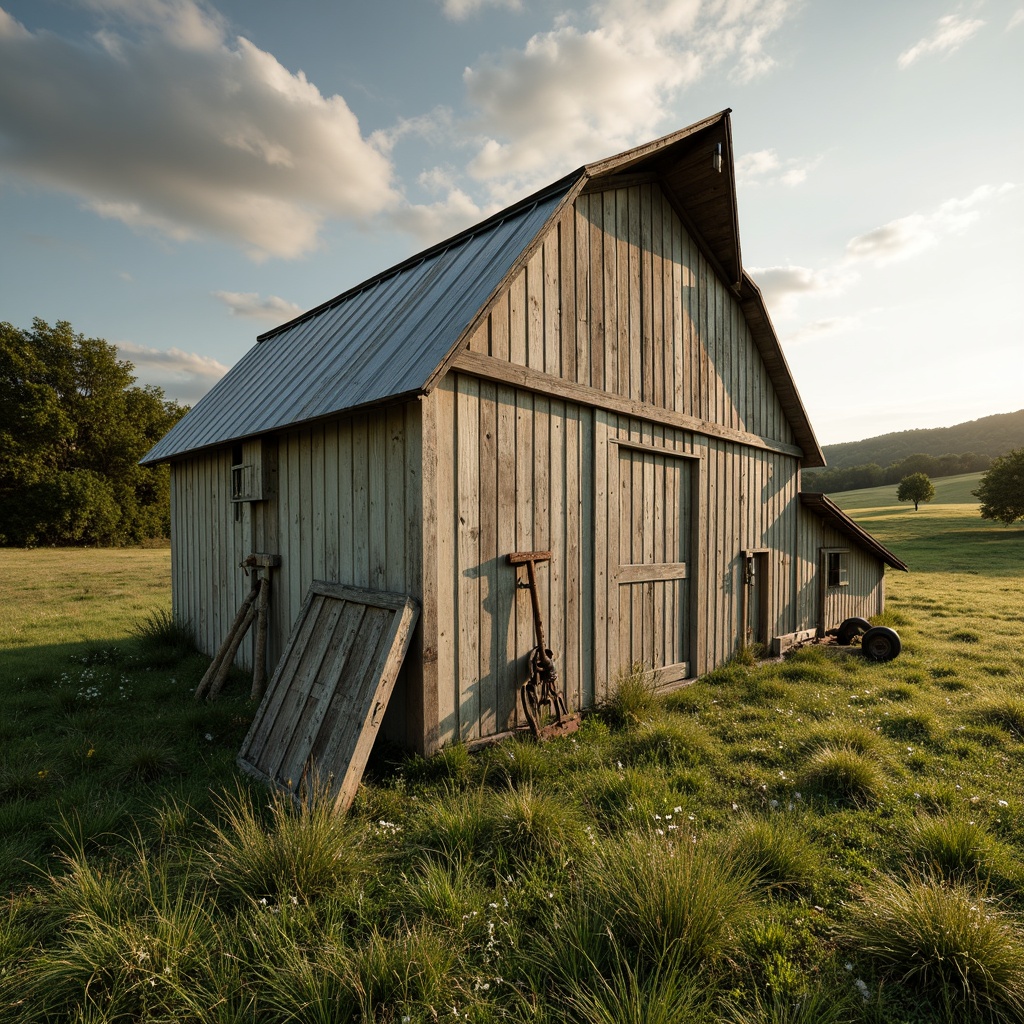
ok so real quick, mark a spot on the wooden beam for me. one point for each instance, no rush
(547, 384)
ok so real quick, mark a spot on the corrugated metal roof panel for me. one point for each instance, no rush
(380, 340)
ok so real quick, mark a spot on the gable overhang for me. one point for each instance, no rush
(827, 510)
(702, 191)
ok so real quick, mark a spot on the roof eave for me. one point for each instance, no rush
(824, 507)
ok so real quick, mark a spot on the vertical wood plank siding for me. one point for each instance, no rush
(651, 320)
(824, 606)
(344, 498)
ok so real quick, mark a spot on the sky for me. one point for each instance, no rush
(178, 176)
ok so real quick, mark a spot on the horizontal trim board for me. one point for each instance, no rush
(671, 674)
(654, 449)
(547, 384)
(651, 573)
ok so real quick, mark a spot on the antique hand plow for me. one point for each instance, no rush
(541, 689)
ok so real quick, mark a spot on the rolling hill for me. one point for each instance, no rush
(990, 435)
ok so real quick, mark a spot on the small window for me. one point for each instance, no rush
(247, 471)
(838, 569)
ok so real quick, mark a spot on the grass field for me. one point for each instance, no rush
(820, 839)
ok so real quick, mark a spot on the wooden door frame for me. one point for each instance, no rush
(693, 629)
(760, 558)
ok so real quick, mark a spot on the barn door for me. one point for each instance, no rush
(648, 542)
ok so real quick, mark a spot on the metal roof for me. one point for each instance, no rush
(824, 507)
(378, 341)
(394, 335)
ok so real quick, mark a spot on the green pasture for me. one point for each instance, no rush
(819, 839)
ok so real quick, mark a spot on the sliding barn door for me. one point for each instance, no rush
(647, 555)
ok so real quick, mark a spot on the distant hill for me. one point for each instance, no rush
(991, 435)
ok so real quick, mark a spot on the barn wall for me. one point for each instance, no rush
(342, 505)
(210, 535)
(530, 472)
(823, 607)
(509, 477)
(620, 298)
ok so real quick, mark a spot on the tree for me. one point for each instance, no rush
(73, 426)
(1001, 491)
(916, 488)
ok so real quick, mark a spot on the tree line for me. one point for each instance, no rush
(73, 425)
(852, 478)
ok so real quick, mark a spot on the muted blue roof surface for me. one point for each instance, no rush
(382, 339)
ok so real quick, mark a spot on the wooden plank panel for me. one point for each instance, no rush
(444, 404)
(308, 698)
(583, 295)
(488, 562)
(506, 652)
(398, 511)
(517, 320)
(535, 310)
(573, 595)
(330, 498)
(355, 675)
(602, 549)
(636, 349)
(552, 300)
(345, 498)
(499, 329)
(378, 501)
(467, 530)
(525, 537)
(360, 501)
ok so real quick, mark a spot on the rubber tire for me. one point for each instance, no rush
(880, 643)
(851, 628)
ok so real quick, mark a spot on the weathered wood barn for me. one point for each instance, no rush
(589, 372)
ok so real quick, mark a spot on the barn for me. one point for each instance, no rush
(589, 372)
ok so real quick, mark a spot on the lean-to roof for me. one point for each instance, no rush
(824, 507)
(393, 336)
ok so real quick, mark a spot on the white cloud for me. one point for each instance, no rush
(907, 236)
(782, 287)
(1017, 18)
(816, 330)
(184, 376)
(166, 123)
(432, 222)
(271, 308)
(949, 34)
(765, 168)
(577, 93)
(458, 10)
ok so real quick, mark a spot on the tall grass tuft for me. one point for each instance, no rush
(533, 826)
(842, 774)
(633, 700)
(160, 638)
(1007, 712)
(671, 741)
(305, 851)
(958, 848)
(660, 898)
(775, 851)
(130, 940)
(947, 941)
(665, 994)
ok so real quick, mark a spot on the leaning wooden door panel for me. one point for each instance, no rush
(323, 708)
(648, 558)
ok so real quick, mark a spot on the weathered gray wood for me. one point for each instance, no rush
(528, 379)
(229, 644)
(327, 699)
(259, 666)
